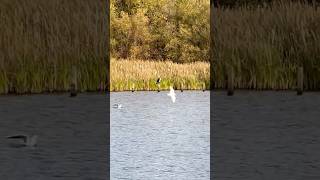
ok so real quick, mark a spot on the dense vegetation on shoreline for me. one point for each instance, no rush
(159, 38)
(266, 45)
(142, 75)
(40, 42)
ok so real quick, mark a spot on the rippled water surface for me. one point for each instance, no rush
(153, 138)
(72, 142)
(266, 135)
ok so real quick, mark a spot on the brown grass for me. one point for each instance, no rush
(142, 75)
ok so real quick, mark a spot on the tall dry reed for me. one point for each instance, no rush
(265, 46)
(142, 75)
(40, 42)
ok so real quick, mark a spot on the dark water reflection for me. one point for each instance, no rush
(153, 138)
(72, 137)
(266, 135)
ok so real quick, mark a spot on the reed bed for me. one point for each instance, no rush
(266, 45)
(41, 41)
(142, 75)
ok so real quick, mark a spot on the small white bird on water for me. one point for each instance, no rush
(28, 140)
(117, 106)
(172, 94)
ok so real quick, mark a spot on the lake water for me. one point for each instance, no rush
(153, 138)
(266, 135)
(255, 135)
(72, 134)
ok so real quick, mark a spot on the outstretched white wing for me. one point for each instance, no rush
(33, 141)
(173, 98)
(172, 94)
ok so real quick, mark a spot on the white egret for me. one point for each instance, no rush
(172, 94)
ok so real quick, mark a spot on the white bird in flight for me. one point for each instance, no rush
(172, 94)
(28, 140)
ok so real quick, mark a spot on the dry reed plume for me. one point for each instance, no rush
(142, 75)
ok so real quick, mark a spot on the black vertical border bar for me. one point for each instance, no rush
(107, 85)
(212, 85)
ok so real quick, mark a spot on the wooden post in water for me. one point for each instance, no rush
(230, 82)
(132, 88)
(203, 87)
(55, 73)
(212, 42)
(73, 86)
(300, 81)
(101, 87)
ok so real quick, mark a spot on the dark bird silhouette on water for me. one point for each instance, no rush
(30, 141)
